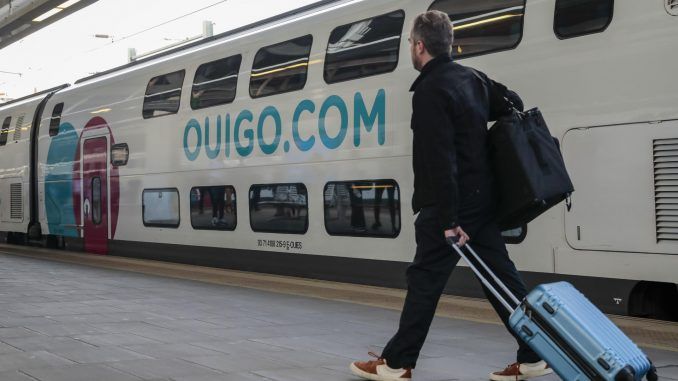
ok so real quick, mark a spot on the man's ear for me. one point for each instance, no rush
(421, 48)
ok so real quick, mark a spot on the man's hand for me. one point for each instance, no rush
(459, 233)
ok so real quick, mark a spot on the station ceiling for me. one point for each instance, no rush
(19, 18)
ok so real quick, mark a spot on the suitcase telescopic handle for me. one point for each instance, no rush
(453, 242)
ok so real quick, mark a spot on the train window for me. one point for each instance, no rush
(55, 121)
(96, 201)
(366, 208)
(515, 236)
(163, 94)
(4, 132)
(215, 83)
(17, 127)
(364, 48)
(281, 68)
(279, 208)
(580, 17)
(213, 208)
(160, 208)
(483, 26)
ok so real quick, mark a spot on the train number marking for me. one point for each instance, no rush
(287, 245)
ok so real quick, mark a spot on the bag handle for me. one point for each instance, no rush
(453, 242)
(504, 92)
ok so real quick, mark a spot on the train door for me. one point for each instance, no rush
(95, 194)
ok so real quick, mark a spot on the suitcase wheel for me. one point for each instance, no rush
(652, 374)
(626, 374)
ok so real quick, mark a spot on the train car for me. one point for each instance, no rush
(284, 146)
(18, 182)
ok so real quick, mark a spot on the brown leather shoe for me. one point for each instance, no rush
(524, 371)
(377, 370)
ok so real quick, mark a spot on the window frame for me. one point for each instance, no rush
(235, 93)
(308, 209)
(235, 209)
(143, 208)
(4, 130)
(400, 43)
(181, 93)
(503, 49)
(55, 120)
(398, 217)
(310, 51)
(567, 37)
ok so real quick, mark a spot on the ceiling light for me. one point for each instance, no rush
(47, 15)
(55, 10)
(20, 29)
(68, 4)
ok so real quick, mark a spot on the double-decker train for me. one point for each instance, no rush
(285, 146)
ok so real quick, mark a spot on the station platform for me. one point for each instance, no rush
(76, 317)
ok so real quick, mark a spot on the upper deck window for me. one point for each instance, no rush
(4, 132)
(281, 68)
(163, 94)
(364, 48)
(483, 26)
(215, 83)
(580, 17)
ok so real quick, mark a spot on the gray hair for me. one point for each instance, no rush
(435, 30)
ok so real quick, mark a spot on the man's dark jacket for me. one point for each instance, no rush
(452, 106)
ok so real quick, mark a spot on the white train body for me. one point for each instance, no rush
(610, 98)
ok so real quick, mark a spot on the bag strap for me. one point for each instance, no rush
(497, 91)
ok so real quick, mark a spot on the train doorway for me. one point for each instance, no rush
(95, 195)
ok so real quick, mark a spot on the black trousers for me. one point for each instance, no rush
(428, 275)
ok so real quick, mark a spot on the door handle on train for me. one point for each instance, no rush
(86, 206)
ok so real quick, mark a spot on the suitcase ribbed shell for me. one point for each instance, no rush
(583, 327)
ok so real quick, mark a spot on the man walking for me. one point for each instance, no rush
(453, 194)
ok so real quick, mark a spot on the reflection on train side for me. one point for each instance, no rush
(363, 208)
(213, 208)
(279, 208)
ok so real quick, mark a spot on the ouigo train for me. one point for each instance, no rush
(285, 146)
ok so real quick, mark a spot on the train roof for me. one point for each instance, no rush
(34, 95)
(204, 41)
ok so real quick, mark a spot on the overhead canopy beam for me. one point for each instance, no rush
(19, 18)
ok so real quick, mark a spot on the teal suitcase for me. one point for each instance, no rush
(573, 336)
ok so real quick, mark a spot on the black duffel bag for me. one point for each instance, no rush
(528, 166)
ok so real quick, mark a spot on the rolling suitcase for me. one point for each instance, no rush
(573, 336)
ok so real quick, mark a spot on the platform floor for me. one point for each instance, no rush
(68, 322)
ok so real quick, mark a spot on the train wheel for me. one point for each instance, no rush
(654, 300)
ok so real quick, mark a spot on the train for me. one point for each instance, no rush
(285, 147)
